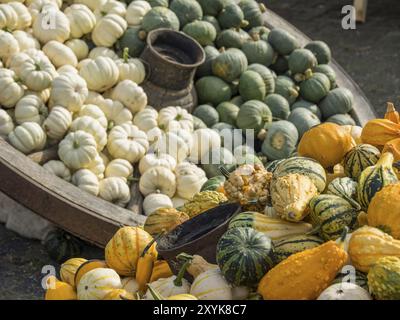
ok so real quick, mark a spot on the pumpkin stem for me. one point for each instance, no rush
(154, 293)
(125, 55)
(308, 74)
(111, 125)
(181, 273)
(255, 36)
(142, 35)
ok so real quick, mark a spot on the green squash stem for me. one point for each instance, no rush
(181, 273)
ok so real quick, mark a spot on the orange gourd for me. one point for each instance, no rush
(392, 114)
(393, 146)
(327, 143)
(384, 210)
(378, 132)
(58, 290)
(161, 269)
(86, 267)
(119, 294)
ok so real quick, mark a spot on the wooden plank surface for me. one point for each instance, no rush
(363, 110)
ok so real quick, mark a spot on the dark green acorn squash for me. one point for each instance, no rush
(303, 120)
(332, 214)
(160, 17)
(213, 90)
(259, 51)
(62, 246)
(237, 101)
(253, 12)
(207, 114)
(342, 120)
(329, 72)
(281, 65)
(232, 16)
(300, 60)
(285, 247)
(228, 112)
(279, 106)
(280, 141)
(187, 11)
(213, 184)
(321, 51)
(212, 7)
(202, 31)
(214, 159)
(230, 64)
(214, 22)
(315, 87)
(309, 106)
(339, 100)
(244, 256)
(267, 76)
(158, 3)
(360, 158)
(305, 166)
(206, 68)
(230, 38)
(252, 86)
(198, 123)
(134, 39)
(253, 115)
(282, 41)
(286, 87)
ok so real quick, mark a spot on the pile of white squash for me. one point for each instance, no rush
(55, 90)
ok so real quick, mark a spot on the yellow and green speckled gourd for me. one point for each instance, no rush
(375, 178)
(360, 158)
(164, 220)
(384, 279)
(203, 201)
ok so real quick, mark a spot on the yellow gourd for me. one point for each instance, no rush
(86, 267)
(161, 269)
(304, 275)
(125, 247)
(327, 143)
(145, 266)
(392, 114)
(59, 291)
(384, 210)
(393, 146)
(119, 294)
(69, 268)
(368, 244)
(378, 132)
(164, 220)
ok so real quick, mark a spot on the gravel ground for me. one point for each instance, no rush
(370, 54)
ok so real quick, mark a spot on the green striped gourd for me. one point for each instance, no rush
(305, 166)
(345, 188)
(244, 256)
(213, 184)
(360, 158)
(332, 214)
(285, 247)
(274, 228)
(267, 76)
(375, 178)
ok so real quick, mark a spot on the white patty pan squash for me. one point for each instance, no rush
(171, 144)
(110, 6)
(115, 190)
(108, 30)
(79, 48)
(6, 123)
(158, 179)
(345, 291)
(9, 17)
(59, 169)
(136, 11)
(131, 69)
(211, 285)
(189, 180)
(93, 127)
(146, 119)
(81, 19)
(77, 150)
(171, 118)
(57, 123)
(97, 167)
(28, 137)
(203, 141)
(56, 28)
(91, 4)
(59, 54)
(30, 109)
(130, 95)
(69, 90)
(24, 18)
(10, 90)
(86, 180)
(103, 52)
(100, 74)
(120, 168)
(155, 201)
(127, 142)
(94, 112)
(25, 40)
(156, 159)
(97, 283)
(37, 73)
(115, 112)
(9, 45)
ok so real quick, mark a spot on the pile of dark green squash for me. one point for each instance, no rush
(253, 77)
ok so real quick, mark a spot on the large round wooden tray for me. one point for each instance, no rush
(91, 218)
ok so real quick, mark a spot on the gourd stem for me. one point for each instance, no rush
(184, 257)
(156, 296)
(386, 160)
(244, 24)
(390, 107)
(125, 55)
(181, 273)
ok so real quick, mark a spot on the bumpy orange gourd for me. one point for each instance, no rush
(326, 143)
(384, 210)
(378, 132)
(119, 294)
(304, 275)
(125, 247)
(393, 146)
(161, 269)
(367, 245)
(392, 114)
(60, 291)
